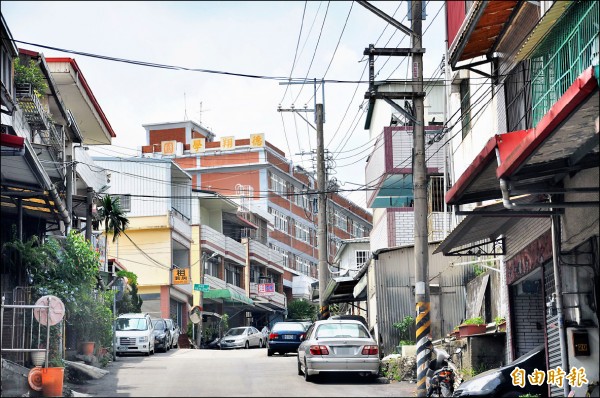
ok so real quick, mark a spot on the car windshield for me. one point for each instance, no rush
(288, 326)
(341, 330)
(235, 332)
(131, 324)
(158, 324)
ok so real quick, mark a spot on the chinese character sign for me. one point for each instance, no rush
(197, 145)
(556, 377)
(257, 140)
(168, 147)
(228, 142)
(266, 289)
(181, 276)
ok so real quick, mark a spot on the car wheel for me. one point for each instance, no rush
(299, 368)
(260, 343)
(247, 345)
(269, 353)
(147, 354)
(307, 377)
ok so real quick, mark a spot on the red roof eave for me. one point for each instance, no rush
(88, 91)
(583, 86)
(480, 162)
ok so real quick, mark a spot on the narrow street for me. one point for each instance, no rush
(214, 373)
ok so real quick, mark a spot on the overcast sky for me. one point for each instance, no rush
(258, 38)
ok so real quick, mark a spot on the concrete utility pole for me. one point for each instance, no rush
(423, 321)
(322, 189)
(322, 226)
(419, 168)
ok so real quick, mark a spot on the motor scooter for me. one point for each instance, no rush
(442, 374)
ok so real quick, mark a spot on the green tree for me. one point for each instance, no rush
(113, 217)
(302, 309)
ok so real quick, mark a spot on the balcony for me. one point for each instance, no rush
(214, 282)
(274, 300)
(235, 251)
(389, 167)
(569, 48)
(90, 176)
(181, 224)
(259, 253)
(50, 135)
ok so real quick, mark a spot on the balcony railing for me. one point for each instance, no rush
(214, 282)
(563, 55)
(213, 240)
(259, 252)
(275, 297)
(236, 251)
(38, 119)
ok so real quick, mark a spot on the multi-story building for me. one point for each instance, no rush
(46, 121)
(257, 174)
(156, 195)
(527, 142)
(389, 167)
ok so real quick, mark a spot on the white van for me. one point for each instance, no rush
(134, 333)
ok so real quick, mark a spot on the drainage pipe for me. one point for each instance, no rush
(558, 291)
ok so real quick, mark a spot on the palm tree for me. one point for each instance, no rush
(113, 217)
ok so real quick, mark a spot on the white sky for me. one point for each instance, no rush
(244, 37)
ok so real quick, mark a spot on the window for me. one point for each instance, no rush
(302, 233)
(302, 265)
(125, 202)
(518, 98)
(465, 106)
(283, 253)
(232, 275)
(6, 64)
(341, 221)
(342, 330)
(212, 268)
(358, 230)
(436, 194)
(361, 257)
(278, 185)
(280, 221)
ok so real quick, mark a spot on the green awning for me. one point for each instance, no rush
(228, 295)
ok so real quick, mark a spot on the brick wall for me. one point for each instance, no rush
(528, 319)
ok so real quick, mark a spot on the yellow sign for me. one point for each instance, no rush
(228, 142)
(257, 140)
(198, 145)
(168, 147)
(181, 276)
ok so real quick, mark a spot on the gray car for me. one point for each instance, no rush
(174, 329)
(242, 337)
(338, 346)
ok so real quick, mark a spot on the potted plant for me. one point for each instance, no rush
(500, 324)
(406, 345)
(31, 76)
(455, 332)
(475, 325)
(53, 375)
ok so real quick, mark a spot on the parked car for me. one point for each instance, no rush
(306, 322)
(498, 382)
(285, 337)
(134, 333)
(242, 337)
(162, 334)
(338, 345)
(174, 329)
(359, 318)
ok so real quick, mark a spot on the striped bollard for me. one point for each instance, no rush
(422, 324)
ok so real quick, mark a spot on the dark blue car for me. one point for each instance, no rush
(285, 337)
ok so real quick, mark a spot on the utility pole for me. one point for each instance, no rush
(423, 321)
(322, 226)
(416, 116)
(322, 189)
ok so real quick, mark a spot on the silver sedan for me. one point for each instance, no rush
(338, 346)
(242, 337)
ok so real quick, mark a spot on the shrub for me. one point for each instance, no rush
(474, 321)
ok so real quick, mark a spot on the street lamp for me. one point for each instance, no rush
(204, 259)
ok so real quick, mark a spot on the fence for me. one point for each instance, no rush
(23, 331)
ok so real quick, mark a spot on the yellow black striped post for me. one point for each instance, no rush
(423, 323)
(324, 312)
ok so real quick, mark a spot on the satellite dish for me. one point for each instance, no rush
(55, 313)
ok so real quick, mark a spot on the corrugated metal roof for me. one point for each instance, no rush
(543, 27)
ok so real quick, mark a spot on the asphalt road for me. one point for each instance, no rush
(214, 373)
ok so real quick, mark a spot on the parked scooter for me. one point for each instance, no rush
(442, 374)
